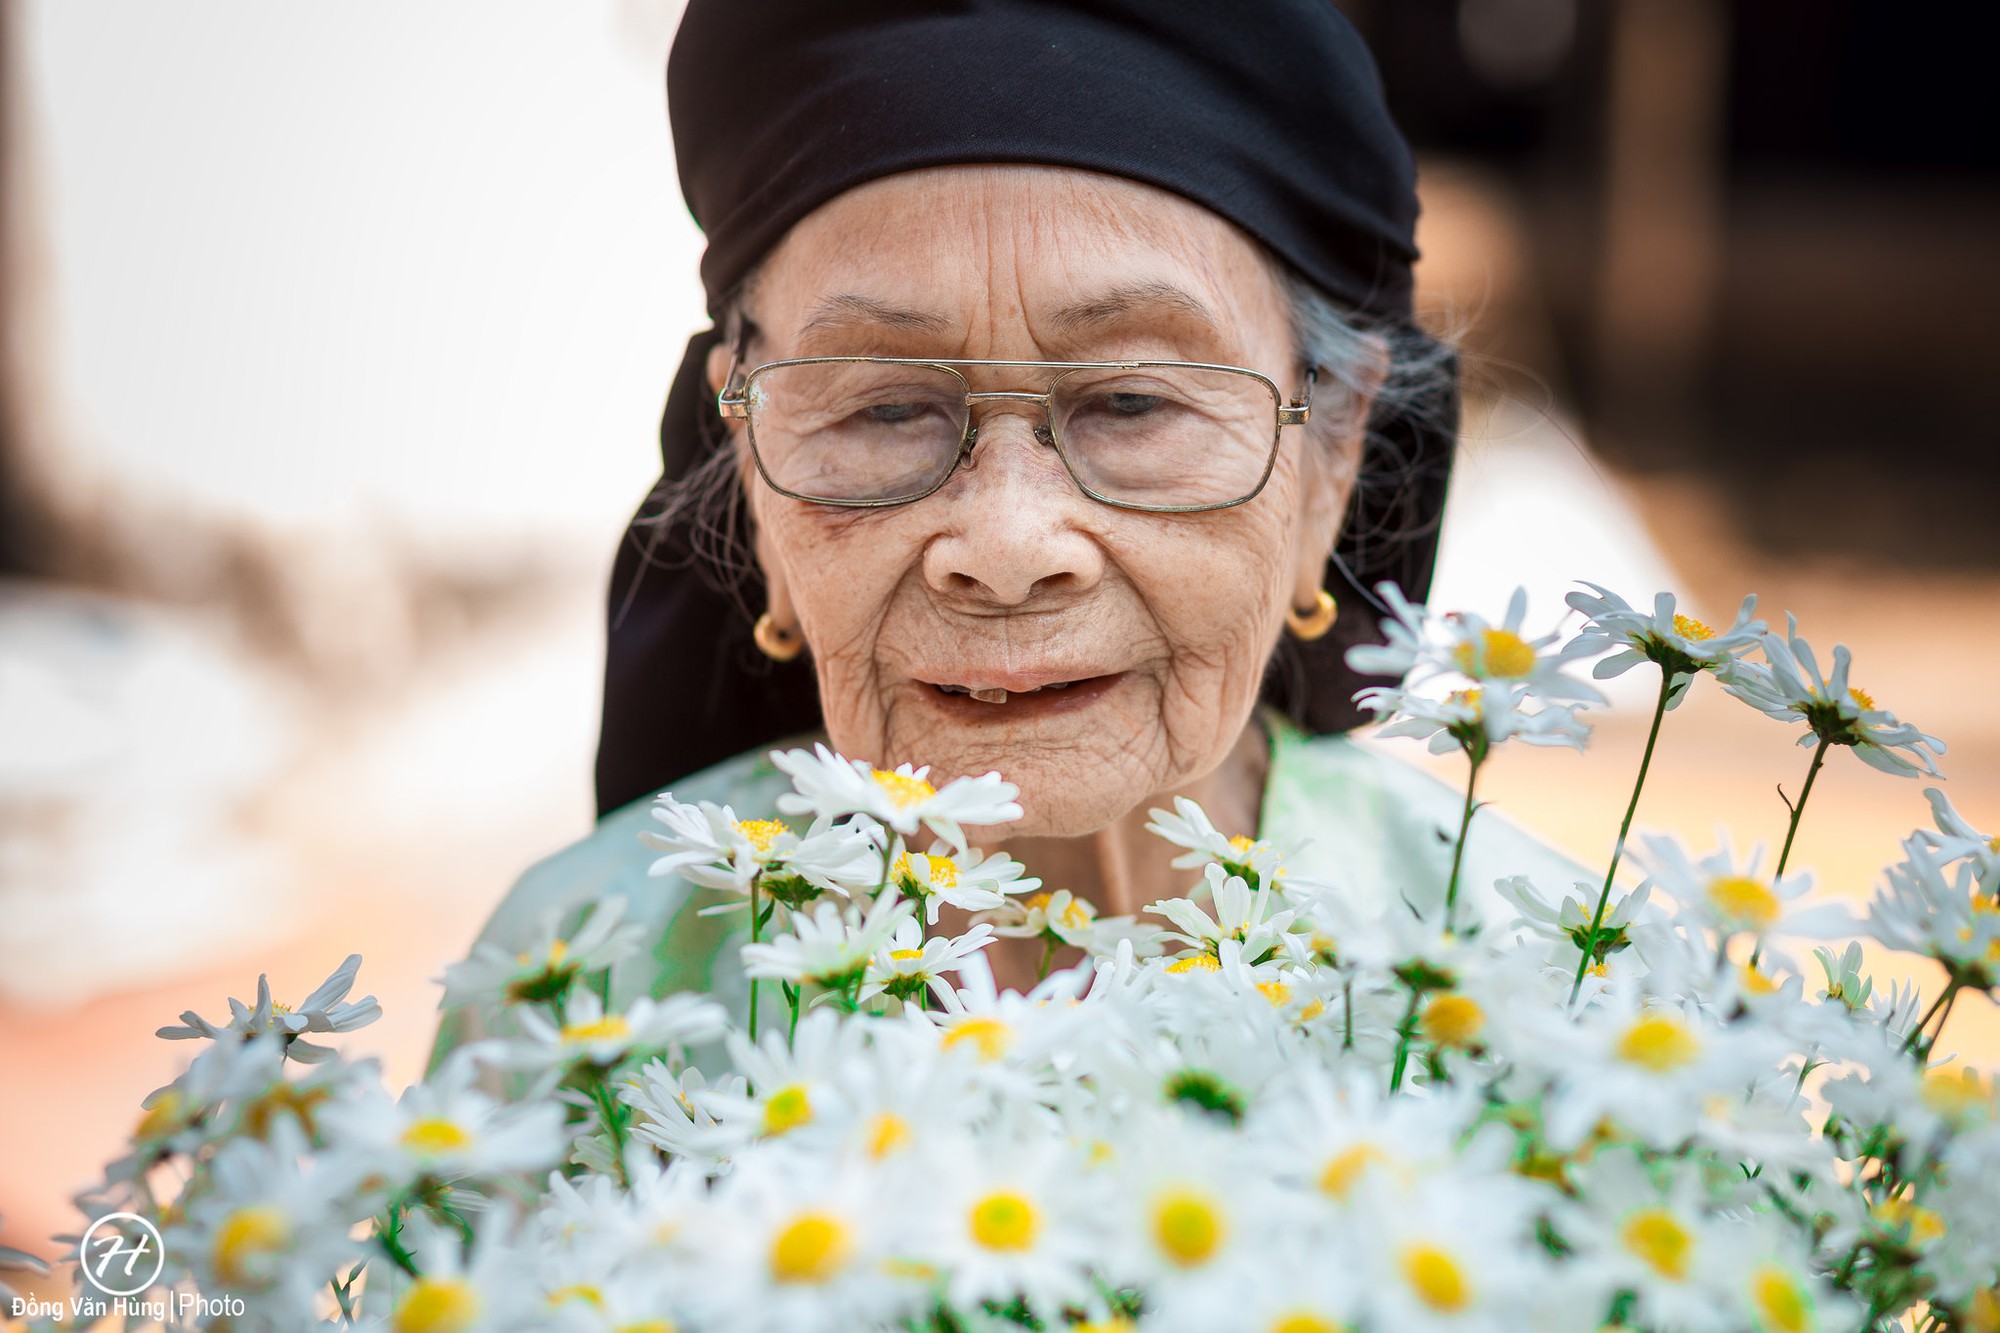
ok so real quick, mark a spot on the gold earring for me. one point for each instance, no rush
(1313, 624)
(780, 645)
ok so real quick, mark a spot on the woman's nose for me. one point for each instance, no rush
(1015, 527)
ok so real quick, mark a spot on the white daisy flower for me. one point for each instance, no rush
(830, 787)
(907, 965)
(1423, 646)
(550, 963)
(708, 845)
(1681, 646)
(1646, 1228)
(446, 1128)
(1241, 914)
(272, 1225)
(1189, 826)
(1006, 1219)
(1449, 1252)
(1649, 1069)
(1928, 907)
(325, 1009)
(967, 880)
(587, 1033)
(831, 947)
(1956, 837)
(1474, 718)
(1788, 686)
(1728, 896)
(1568, 927)
(1064, 920)
(806, 1249)
(674, 1113)
(479, 1288)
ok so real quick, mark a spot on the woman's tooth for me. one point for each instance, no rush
(990, 696)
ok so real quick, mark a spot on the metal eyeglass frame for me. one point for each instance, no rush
(733, 403)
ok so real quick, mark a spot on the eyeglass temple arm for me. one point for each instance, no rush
(1300, 412)
(732, 401)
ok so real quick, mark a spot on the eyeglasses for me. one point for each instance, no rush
(868, 432)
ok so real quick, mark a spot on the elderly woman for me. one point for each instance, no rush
(1063, 397)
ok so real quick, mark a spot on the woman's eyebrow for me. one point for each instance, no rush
(849, 311)
(1148, 300)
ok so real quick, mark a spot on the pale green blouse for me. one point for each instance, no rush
(1344, 814)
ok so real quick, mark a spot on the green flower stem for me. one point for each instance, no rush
(391, 1237)
(1405, 1031)
(1048, 958)
(1940, 1008)
(614, 1121)
(1464, 826)
(1624, 830)
(1819, 757)
(754, 933)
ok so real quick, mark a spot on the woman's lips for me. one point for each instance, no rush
(1013, 696)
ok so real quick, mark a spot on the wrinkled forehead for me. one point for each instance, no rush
(1076, 262)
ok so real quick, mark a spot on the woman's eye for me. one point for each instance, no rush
(1130, 404)
(892, 413)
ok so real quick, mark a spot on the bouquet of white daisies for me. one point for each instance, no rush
(1260, 1109)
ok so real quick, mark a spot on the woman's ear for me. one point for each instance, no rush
(719, 358)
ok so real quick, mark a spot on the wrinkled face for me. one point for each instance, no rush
(1130, 645)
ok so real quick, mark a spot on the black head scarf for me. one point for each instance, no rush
(1267, 112)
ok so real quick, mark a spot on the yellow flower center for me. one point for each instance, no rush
(1196, 962)
(577, 1291)
(1313, 1009)
(886, 1133)
(611, 1027)
(1759, 982)
(1453, 1020)
(1957, 1096)
(1690, 628)
(1188, 1227)
(1277, 992)
(904, 790)
(437, 1305)
(1497, 652)
(1863, 698)
(1078, 914)
(1467, 698)
(1345, 1167)
(1241, 845)
(812, 1248)
(1782, 1305)
(1925, 1226)
(787, 1109)
(989, 1036)
(558, 950)
(1436, 1278)
(164, 1116)
(435, 1134)
(1004, 1221)
(1656, 1236)
(906, 955)
(246, 1235)
(761, 833)
(1115, 1324)
(1304, 1321)
(944, 870)
(648, 1326)
(1744, 901)
(1659, 1042)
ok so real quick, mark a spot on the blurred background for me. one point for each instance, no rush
(333, 348)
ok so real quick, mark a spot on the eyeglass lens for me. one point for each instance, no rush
(1151, 436)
